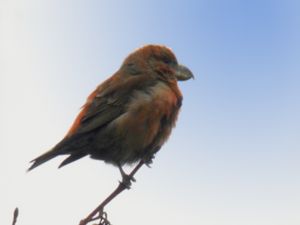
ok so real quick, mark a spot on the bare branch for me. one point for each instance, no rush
(16, 214)
(102, 216)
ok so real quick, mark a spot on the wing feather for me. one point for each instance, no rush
(108, 102)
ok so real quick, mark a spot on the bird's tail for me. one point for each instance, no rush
(75, 147)
(43, 158)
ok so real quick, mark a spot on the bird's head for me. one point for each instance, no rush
(158, 59)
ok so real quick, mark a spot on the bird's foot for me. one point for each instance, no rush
(149, 160)
(126, 179)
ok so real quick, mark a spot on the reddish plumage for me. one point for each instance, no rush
(130, 115)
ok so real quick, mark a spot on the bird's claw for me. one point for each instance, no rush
(132, 179)
(126, 181)
(149, 160)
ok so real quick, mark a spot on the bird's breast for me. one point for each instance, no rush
(145, 112)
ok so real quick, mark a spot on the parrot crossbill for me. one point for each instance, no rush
(130, 115)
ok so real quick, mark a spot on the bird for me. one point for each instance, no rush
(130, 115)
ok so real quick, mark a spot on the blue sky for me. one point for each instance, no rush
(234, 155)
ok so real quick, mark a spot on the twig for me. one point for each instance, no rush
(100, 209)
(16, 213)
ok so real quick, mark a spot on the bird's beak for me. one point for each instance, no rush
(183, 73)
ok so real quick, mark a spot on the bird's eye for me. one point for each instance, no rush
(166, 60)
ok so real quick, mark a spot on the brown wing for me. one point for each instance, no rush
(108, 102)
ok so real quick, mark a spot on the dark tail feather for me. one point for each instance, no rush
(72, 158)
(73, 146)
(43, 158)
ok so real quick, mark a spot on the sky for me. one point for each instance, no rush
(233, 157)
